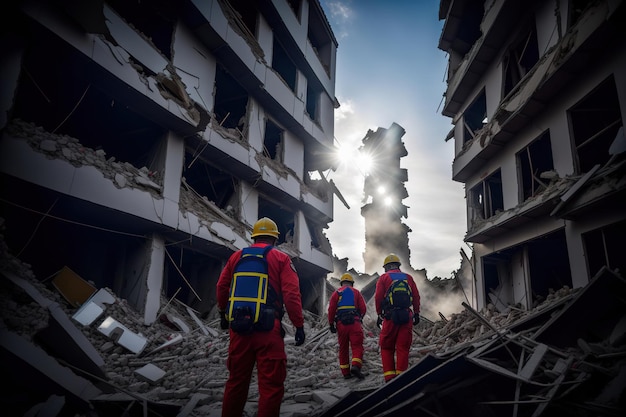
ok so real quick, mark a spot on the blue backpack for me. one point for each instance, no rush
(346, 307)
(250, 304)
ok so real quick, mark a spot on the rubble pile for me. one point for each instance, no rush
(185, 357)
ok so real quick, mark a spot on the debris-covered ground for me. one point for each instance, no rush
(189, 356)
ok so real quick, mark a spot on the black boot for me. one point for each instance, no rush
(356, 371)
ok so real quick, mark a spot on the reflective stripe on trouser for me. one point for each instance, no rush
(267, 350)
(395, 342)
(350, 336)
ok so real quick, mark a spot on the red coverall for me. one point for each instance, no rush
(395, 339)
(267, 349)
(348, 335)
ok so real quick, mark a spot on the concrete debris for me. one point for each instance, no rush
(150, 373)
(184, 372)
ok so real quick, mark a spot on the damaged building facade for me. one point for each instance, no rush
(142, 140)
(537, 95)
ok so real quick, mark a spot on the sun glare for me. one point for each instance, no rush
(365, 162)
(388, 201)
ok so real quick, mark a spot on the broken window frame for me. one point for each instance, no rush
(155, 21)
(474, 117)
(520, 58)
(229, 112)
(312, 105)
(595, 120)
(531, 162)
(283, 65)
(319, 38)
(273, 141)
(544, 267)
(486, 197)
(225, 196)
(603, 247)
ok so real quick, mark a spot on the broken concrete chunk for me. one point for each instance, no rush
(305, 382)
(174, 339)
(150, 373)
(88, 313)
(175, 322)
(122, 336)
(324, 398)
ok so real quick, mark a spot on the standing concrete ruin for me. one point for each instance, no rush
(142, 140)
(384, 191)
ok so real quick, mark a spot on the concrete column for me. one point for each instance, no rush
(172, 176)
(154, 279)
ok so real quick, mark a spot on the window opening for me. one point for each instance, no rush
(496, 278)
(231, 101)
(486, 197)
(154, 18)
(475, 117)
(319, 37)
(594, 124)
(548, 270)
(283, 65)
(604, 246)
(533, 160)
(211, 182)
(273, 141)
(469, 28)
(284, 219)
(520, 58)
(312, 102)
(549, 265)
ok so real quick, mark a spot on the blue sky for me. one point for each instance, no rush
(389, 69)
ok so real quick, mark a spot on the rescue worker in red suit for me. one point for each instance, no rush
(346, 308)
(265, 348)
(395, 339)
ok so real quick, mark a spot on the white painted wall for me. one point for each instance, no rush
(294, 153)
(195, 65)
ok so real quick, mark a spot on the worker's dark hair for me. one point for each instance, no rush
(265, 239)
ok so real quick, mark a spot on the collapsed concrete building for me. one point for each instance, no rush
(142, 140)
(384, 191)
(537, 95)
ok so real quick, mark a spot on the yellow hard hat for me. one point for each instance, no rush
(391, 258)
(346, 277)
(265, 227)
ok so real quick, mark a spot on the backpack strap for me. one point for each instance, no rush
(274, 299)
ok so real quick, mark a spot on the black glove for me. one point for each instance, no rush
(416, 319)
(333, 329)
(223, 320)
(299, 336)
(379, 321)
